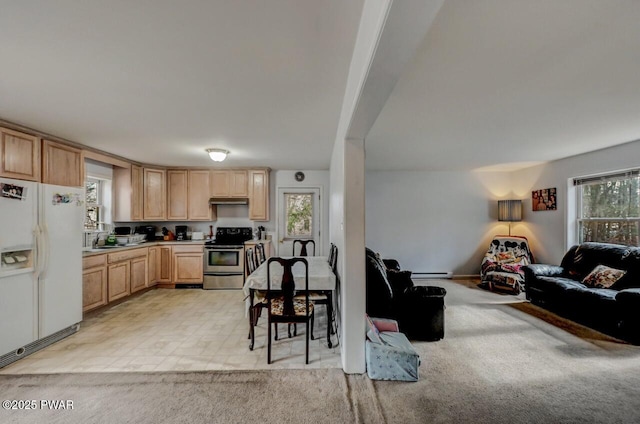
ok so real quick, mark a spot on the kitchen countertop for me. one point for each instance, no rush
(91, 252)
(257, 241)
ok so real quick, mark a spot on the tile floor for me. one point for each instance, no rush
(178, 330)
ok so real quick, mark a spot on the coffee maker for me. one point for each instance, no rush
(181, 232)
(148, 230)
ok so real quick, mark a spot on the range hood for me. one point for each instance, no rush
(229, 201)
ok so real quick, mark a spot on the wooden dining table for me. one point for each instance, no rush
(321, 279)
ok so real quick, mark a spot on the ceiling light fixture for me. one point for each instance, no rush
(217, 155)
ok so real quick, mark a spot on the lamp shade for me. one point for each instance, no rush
(510, 210)
(217, 155)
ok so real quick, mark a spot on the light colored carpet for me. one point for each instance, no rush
(502, 361)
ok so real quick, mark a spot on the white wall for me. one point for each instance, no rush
(435, 221)
(547, 230)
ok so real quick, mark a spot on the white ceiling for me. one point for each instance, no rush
(496, 84)
(502, 84)
(158, 81)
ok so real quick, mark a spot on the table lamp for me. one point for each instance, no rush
(510, 210)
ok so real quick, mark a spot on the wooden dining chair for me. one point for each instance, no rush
(260, 301)
(333, 257)
(303, 247)
(260, 255)
(282, 304)
(325, 297)
(250, 260)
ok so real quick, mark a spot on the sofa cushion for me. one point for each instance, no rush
(598, 307)
(558, 284)
(603, 277)
(629, 297)
(596, 294)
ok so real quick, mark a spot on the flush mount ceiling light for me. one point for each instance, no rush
(217, 155)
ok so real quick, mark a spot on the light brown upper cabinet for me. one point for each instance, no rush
(128, 193)
(62, 164)
(259, 195)
(177, 195)
(229, 183)
(238, 184)
(199, 194)
(219, 183)
(19, 155)
(155, 194)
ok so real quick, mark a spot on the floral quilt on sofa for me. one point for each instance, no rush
(502, 264)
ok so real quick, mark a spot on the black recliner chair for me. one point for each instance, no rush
(391, 293)
(387, 288)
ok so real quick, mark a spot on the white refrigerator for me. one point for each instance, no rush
(40, 265)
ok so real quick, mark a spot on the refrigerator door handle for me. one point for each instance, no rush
(45, 250)
(37, 232)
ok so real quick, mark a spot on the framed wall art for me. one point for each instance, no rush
(544, 200)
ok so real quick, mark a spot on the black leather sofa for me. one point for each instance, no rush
(615, 310)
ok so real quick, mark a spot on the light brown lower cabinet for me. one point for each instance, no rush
(94, 282)
(154, 265)
(127, 272)
(113, 276)
(139, 273)
(119, 276)
(164, 274)
(187, 264)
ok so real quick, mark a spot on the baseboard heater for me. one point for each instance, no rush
(35, 346)
(431, 275)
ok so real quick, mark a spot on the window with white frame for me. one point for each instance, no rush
(608, 208)
(94, 208)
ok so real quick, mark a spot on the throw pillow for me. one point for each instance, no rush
(603, 277)
(373, 334)
(385, 324)
(507, 256)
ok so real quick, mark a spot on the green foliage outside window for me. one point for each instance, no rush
(299, 215)
(92, 211)
(610, 211)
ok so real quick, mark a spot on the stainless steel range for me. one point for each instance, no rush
(224, 258)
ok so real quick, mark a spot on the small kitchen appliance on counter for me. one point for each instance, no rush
(181, 232)
(224, 258)
(122, 231)
(148, 230)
